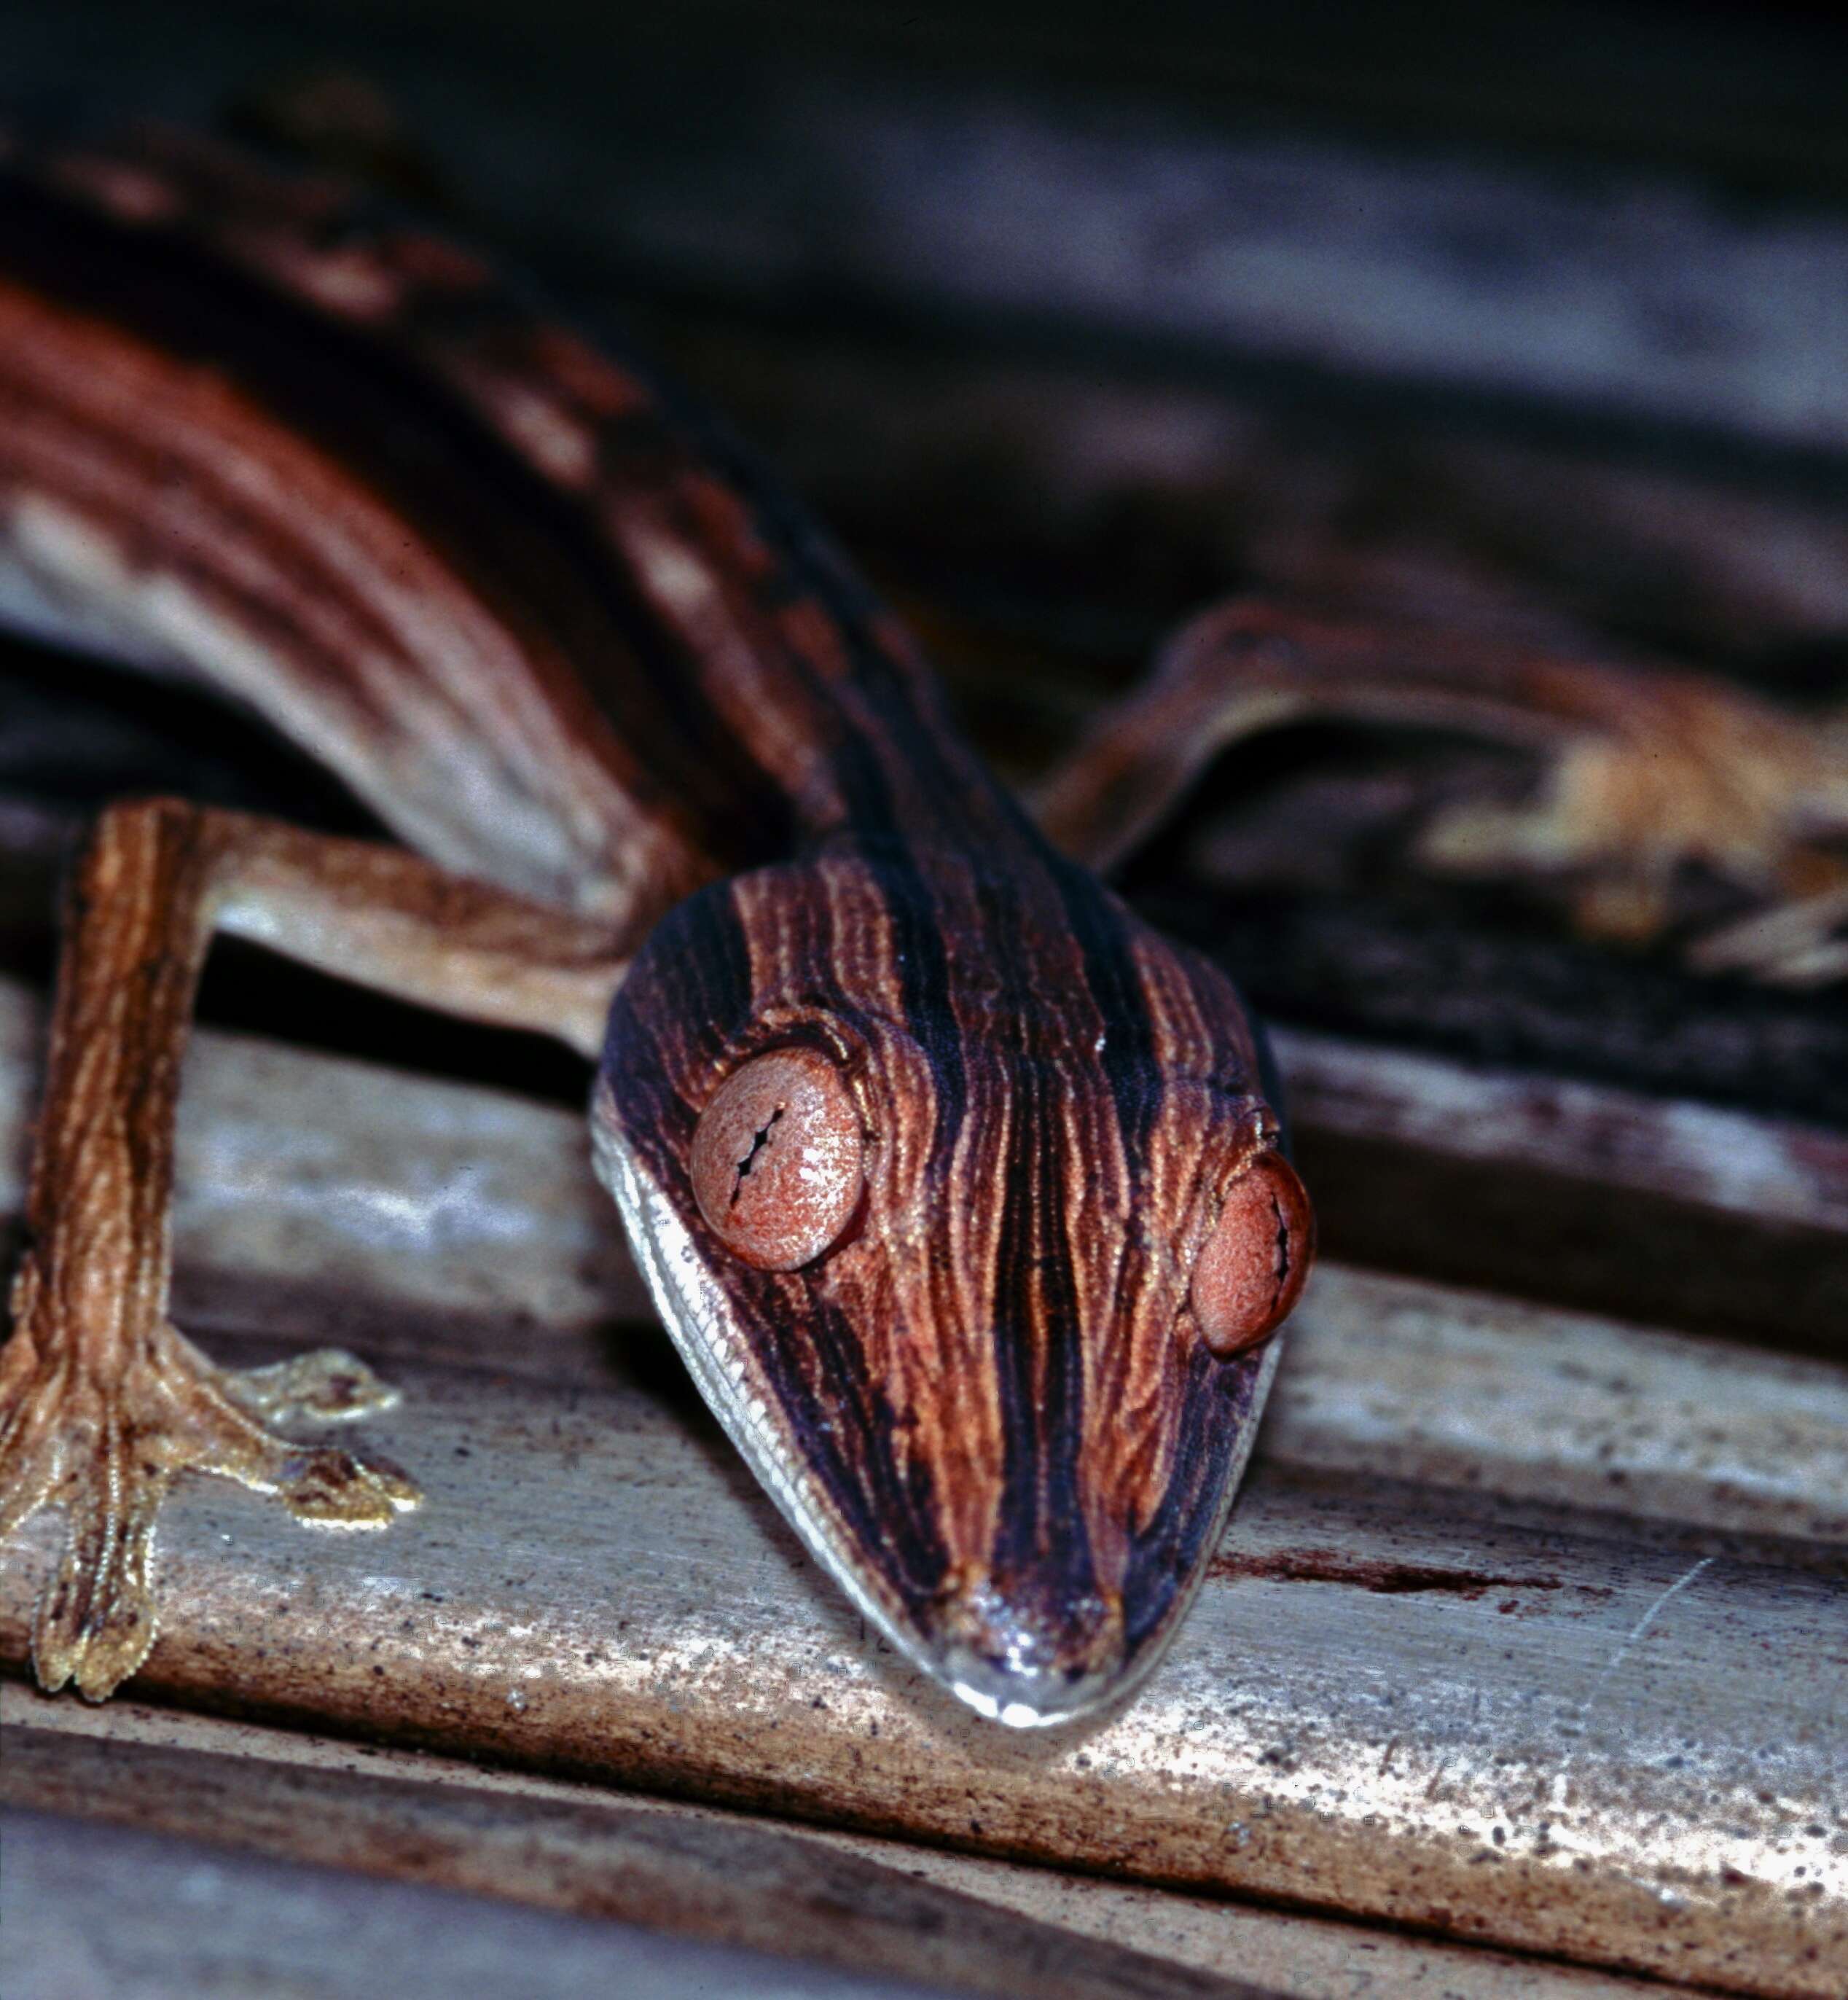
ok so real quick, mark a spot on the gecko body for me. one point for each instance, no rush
(955, 1185)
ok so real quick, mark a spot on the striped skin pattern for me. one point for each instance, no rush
(987, 1407)
(559, 634)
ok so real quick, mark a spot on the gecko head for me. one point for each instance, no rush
(960, 1199)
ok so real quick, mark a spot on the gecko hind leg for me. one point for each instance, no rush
(1645, 770)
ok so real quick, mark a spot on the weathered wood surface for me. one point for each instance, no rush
(1075, 517)
(322, 1182)
(87, 1912)
(1717, 1163)
(504, 1832)
(1661, 1209)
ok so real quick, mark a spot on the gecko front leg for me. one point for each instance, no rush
(103, 1402)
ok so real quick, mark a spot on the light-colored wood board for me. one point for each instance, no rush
(107, 1913)
(1676, 1212)
(322, 1179)
(1455, 1388)
(1304, 1958)
(1388, 1702)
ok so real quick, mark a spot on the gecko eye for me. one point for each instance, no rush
(1250, 1272)
(778, 1159)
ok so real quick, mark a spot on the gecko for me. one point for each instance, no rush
(958, 1188)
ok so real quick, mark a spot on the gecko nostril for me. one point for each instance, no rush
(1027, 1656)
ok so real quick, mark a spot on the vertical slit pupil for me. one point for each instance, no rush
(756, 1146)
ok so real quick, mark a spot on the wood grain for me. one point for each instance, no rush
(723, 1878)
(795, 171)
(1628, 1205)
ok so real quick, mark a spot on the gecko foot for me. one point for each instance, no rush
(106, 1444)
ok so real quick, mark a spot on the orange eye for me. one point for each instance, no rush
(1250, 1272)
(778, 1159)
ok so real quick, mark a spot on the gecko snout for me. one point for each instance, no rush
(1027, 1656)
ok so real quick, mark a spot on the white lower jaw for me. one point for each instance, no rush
(1010, 1715)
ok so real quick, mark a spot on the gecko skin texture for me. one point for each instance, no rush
(955, 1183)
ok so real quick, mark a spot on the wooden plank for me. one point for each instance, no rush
(319, 1181)
(1720, 1163)
(88, 1910)
(1468, 1390)
(928, 197)
(719, 1878)
(1584, 1194)
(514, 1833)
(1051, 521)
(1516, 1726)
